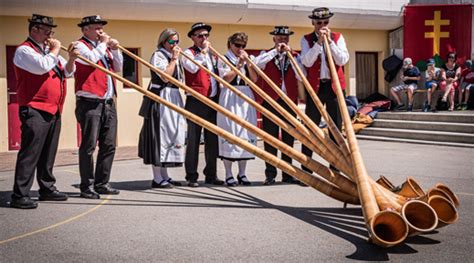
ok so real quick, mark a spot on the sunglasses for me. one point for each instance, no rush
(322, 22)
(206, 35)
(452, 57)
(172, 42)
(239, 45)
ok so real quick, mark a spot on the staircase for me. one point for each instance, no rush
(442, 128)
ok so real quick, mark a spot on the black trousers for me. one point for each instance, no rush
(274, 130)
(328, 97)
(194, 136)
(39, 145)
(98, 122)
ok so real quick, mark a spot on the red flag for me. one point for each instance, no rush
(437, 29)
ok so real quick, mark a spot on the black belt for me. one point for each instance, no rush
(95, 100)
(324, 80)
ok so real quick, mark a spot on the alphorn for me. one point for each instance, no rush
(334, 177)
(319, 105)
(327, 145)
(311, 180)
(380, 224)
(313, 127)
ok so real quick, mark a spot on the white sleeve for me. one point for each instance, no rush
(265, 57)
(190, 66)
(67, 73)
(309, 55)
(28, 59)
(117, 57)
(223, 68)
(93, 55)
(339, 52)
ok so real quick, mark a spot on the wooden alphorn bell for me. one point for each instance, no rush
(386, 228)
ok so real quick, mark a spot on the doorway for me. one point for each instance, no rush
(366, 74)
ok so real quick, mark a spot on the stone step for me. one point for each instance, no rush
(389, 139)
(456, 116)
(439, 136)
(424, 125)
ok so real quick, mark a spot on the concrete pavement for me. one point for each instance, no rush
(257, 223)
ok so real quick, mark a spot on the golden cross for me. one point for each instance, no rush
(436, 35)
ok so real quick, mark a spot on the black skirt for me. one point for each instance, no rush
(149, 140)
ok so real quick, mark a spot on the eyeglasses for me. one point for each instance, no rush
(46, 31)
(206, 35)
(322, 22)
(239, 45)
(452, 57)
(172, 42)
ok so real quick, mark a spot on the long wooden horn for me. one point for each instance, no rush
(334, 177)
(312, 126)
(328, 145)
(379, 223)
(319, 105)
(305, 177)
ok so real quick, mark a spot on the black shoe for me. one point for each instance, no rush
(173, 182)
(90, 194)
(230, 181)
(106, 190)
(53, 196)
(243, 180)
(162, 184)
(214, 181)
(23, 203)
(193, 183)
(290, 180)
(269, 181)
(399, 106)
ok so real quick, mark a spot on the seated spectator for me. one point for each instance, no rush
(450, 73)
(467, 81)
(432, 76)
(410, 77)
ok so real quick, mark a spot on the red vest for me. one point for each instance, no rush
(90, 79)
(313, 73)
(199, 81)
(291, 83)
(43, 92)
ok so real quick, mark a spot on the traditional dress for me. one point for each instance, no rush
(162, 137)
(239, 107)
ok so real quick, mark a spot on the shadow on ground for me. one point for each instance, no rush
(345, 223)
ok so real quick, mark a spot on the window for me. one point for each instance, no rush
(131, 68)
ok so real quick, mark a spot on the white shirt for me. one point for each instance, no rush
(99, 52)
(203, 59)
(265, 57)
(224, 69)
(36, 63)
(160, 61)
(339, 53)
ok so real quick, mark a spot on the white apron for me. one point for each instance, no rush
(239, 107)
(172, 128)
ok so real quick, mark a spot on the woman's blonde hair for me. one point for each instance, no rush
(165, 35)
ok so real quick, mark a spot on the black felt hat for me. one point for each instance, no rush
(321, 13)
(95, 19)
(43, 20)
(198, 26)
(281, 31)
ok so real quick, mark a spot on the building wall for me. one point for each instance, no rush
(143, 35)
